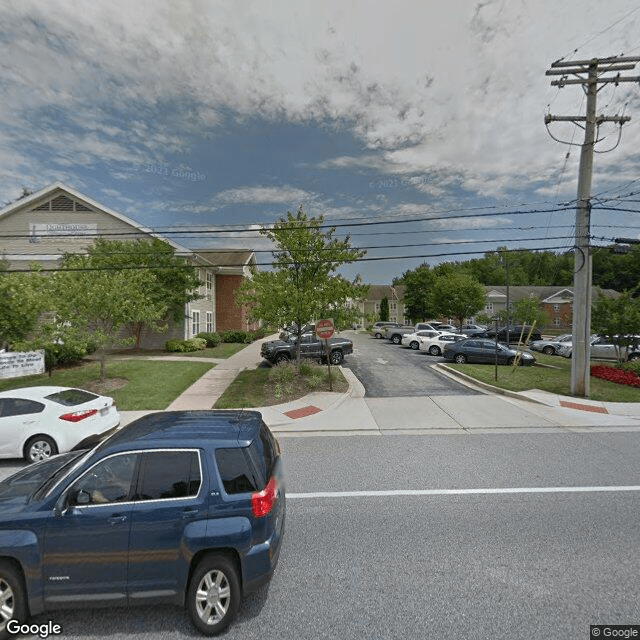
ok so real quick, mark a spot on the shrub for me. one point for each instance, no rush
(213, 339)
(283, 373)
(198, 343)
(184, 346)
(60, 355)
(234, 335)
(634, 366)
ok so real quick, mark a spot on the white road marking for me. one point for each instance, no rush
(457, 492)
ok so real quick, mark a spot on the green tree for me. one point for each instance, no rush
(384, 309)
(529, 311)
(303, 285)
(118, 288)
(458, 296)
(617, 318)
(418, 294)
(24, 298)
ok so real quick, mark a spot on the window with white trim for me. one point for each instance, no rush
(209, 318)
(195, 323)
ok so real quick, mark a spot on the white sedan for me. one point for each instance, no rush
(414, 339)
(435, 346)
(38, 422)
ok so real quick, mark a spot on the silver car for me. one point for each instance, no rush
(550, 347)
(603, 348)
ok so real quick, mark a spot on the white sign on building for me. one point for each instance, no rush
(15, 364)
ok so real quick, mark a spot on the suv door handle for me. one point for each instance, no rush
(116, 519)
(189, 513)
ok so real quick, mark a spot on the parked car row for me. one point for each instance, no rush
(460, 348)
(509, 334)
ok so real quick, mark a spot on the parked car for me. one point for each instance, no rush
(414, 340)
(434, 346)
(513, 333)
(278, 351)
(38, 422)
(472, 329)
(184, 508)
(449, 328)
(379, 328)
(604, 348)
(550, 347)
(486, 351)
(395, 333)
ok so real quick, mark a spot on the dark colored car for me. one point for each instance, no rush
(513, 333)
(483, 350)
(184, 507)
(277, 351)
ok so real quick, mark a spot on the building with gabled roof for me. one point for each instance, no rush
(41, 227)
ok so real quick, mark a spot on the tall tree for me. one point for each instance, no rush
(384, 309)
(418, 293)
(303, 285)
(458, 296)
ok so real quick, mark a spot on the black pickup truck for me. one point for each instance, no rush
(277, 351)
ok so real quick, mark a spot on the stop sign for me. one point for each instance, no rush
(324, 329)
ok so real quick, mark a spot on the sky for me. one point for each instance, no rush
(416, 127)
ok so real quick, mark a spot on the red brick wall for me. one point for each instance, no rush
(563, 314)
(228, 314)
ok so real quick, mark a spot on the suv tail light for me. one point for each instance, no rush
(262, 501)
(76, 416)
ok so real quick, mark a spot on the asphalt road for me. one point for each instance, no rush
(489, 565)
(389, 370)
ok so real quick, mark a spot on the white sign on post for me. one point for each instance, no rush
(18, 363)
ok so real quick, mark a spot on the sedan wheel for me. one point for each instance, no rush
(415, 345)
(39, 448)
(434, 350)
(396, 339)
(549, 351)
(460, 358)
(214, 594)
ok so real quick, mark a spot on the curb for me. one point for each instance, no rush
(483, 386)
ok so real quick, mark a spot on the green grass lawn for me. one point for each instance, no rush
(147, 384)
(555, 378)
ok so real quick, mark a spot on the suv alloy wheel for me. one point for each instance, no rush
(434, 350)
(213, 597)
(12, 597)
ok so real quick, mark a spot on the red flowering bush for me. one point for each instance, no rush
(618, 376)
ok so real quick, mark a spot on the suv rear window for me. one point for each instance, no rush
(237, 471)
(249, 468)
(71, 397)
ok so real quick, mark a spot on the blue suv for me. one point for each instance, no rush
(183, 507)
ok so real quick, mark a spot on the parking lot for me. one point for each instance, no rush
(388, 370)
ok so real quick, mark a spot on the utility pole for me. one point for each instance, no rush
(589, 74)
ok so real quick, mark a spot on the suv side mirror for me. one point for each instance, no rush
(80, 498)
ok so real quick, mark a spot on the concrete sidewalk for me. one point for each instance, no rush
(492, 411)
